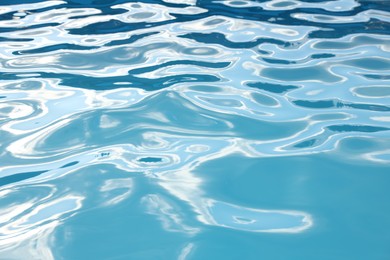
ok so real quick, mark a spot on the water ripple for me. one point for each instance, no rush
(112, 112)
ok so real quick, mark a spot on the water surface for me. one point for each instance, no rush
(194, 129)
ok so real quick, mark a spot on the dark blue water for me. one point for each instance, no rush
(194, 129)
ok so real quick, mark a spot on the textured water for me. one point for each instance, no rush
(194, 129)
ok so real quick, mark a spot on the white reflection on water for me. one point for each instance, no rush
(186, 251)
(120, 188)
(30, 233)
(170, 219)
(335, 6)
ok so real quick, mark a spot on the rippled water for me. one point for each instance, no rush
(194, 129)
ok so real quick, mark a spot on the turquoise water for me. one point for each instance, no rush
(194, 129)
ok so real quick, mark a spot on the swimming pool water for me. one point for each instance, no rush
(194, 129)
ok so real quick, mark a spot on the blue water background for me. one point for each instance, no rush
(194, 129)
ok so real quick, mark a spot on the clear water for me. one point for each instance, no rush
(194, 129)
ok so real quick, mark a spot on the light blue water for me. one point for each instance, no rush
(194, 129)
